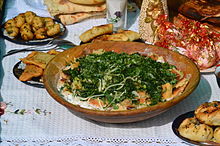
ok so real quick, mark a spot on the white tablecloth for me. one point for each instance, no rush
(32, 117)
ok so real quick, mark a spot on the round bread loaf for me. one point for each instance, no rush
(209, 113)
(217, 135)
(192, 129)
(87, 2)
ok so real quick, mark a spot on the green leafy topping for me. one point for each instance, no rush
(112, 77)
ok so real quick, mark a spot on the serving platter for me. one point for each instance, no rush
(18, 39)
(176, 123)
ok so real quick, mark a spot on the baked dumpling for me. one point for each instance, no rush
(12, 31)
(40, 33)
(29, 16)
(192, 129)
(48, 21)
(217, 135)
(53, 30)
(10, 23)
(20, 20)
(209, 113)
(37, 23)
(26, 34)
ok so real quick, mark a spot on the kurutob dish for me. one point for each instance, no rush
(137, 104)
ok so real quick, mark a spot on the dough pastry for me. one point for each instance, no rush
(217, 135)
(96, 31)
(192, 129)
(121, 35)
(209, 113)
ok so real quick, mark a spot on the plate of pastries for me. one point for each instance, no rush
(30, 69)
(200, 127)
(30, 29)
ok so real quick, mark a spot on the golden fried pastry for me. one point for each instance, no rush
(112, 37)
(48, 21)
(95, 32)
(37, 23)
(29, 16)
(31, 71)
(192, 129)
(19, 20)
(217, 135)
(29, 26)
(25, 26)
(10, 23)
(26, 34)
(53, 30)
(38, 58)
(87, 2)
(40, 33)
(209, 113)
(12, 31)
(121, 35)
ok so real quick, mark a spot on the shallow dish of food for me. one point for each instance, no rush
(30, 29)
(120, 82)
(29, 69)
(35, 81)
(200, 127)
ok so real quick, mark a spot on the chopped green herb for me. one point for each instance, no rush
(113, 77)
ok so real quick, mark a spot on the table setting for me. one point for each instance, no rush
(40, 73)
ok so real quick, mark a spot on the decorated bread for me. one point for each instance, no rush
(209, 113)
(192, 129)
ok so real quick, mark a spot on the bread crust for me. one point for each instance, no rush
(68, 19)
(56, 7)
(209, 113)
(217, 135)
(121, 35)
(87, 2)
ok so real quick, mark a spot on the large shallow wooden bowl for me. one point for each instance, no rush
(55, 66)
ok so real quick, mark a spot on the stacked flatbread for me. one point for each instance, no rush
(72, 11)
